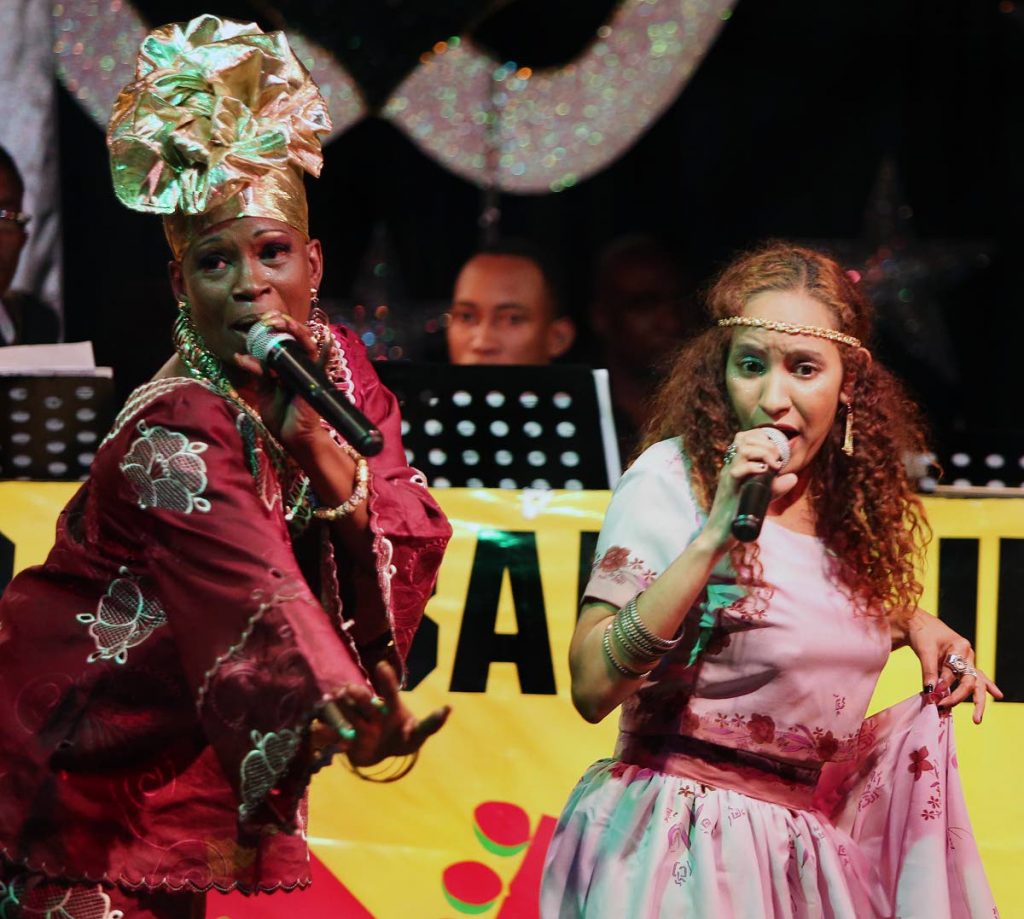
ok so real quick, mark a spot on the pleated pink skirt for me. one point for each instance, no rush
(884, 835)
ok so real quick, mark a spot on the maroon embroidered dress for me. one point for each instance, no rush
(158, 672)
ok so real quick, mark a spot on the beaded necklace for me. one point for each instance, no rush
(203, 366)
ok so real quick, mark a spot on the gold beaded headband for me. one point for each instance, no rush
(791, 329)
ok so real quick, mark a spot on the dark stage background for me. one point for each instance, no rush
(892, 130)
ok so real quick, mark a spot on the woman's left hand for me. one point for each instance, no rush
(933, 642)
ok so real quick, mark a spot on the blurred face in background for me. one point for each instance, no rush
(641, 310)
(503, 313)
(12, 236)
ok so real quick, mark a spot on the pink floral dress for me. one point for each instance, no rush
(746, 782)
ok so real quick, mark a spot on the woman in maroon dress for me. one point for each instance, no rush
(233, 574)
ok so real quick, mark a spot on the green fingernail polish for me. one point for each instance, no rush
(347, 733)
(380, 705)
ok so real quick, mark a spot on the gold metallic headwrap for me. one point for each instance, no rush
(791, 329)
(221, 121)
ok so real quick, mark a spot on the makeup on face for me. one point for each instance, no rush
(242, 269)
(791, 382)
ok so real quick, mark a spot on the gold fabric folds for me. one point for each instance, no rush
(220, 122)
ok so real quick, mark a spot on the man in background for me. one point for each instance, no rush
(23, 318)
(507, 309)
(641, 309)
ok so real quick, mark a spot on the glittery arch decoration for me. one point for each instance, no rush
(524, 131)
(96, 42)
(495, 124)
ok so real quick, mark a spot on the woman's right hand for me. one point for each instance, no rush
(290, 419)
(373, 727)
(754, 453)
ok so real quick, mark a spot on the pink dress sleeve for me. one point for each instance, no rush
(651, 518)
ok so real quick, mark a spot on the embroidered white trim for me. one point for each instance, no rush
(386, 572)
(277, 597)
(143, 396)
(339, 370)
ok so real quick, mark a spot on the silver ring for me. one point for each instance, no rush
(729, 455)
(960, 666)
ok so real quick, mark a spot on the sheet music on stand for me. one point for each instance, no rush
(506, 427)
(55, 408)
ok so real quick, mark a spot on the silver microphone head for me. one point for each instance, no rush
(261, 340)
(781, 441)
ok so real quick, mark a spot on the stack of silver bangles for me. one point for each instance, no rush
(632, 648)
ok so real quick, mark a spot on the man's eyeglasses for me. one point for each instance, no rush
(18, 218)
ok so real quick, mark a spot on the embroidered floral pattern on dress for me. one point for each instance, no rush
(740, 607)
(621, 567)
(679, 837)
(873, 789)
(762, 728)
(760, 734)
(263, 767)
(165, 470)
(36, 896)
(826, 745)
(124, 618)
(933, 810)
(919, 763)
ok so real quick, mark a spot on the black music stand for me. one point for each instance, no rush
(506, 427)
(51, 426)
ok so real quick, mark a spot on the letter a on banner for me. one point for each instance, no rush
(479, 644)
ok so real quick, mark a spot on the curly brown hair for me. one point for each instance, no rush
(866, 511)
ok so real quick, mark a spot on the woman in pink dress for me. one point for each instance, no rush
(745, 781)
(234, 589)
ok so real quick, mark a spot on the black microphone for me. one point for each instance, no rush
(282, 353)
(756, 493)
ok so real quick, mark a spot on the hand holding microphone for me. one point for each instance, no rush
(756, 493)
(281, 352)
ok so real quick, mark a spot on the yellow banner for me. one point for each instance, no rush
(464, 833)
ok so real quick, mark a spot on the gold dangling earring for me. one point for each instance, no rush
(318, 321)
(848, 436)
